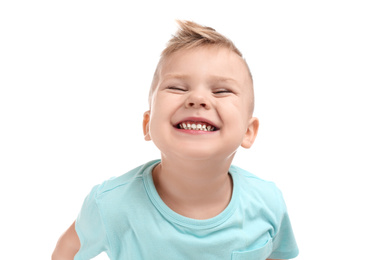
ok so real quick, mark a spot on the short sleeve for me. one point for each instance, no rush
(284, 244)
(90, 228)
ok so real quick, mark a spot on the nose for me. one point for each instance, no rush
(197, 100)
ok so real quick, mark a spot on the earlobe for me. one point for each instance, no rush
(145, 126)
(251, 133)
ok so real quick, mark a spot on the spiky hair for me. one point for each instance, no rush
(191, 35)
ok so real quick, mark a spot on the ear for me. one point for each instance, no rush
(145, 125)
(251, 133)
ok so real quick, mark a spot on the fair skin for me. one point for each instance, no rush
(67, 246)
(206, 86)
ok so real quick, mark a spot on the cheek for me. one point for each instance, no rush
(166, 102)
(235, 109)
(156, 121)
(237, 116)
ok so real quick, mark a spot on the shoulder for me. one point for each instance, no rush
(258, 191)
(251, 181)
(130, 178)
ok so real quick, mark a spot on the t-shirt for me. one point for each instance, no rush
(126, 218)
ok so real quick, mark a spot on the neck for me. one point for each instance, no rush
(196, 189)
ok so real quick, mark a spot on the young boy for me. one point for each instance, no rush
(191, 204)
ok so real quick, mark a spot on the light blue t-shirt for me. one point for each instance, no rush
(126, 218)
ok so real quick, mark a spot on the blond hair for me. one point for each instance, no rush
(191, 35)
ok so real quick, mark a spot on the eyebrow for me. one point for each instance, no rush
(223, 79)
(175, 76)
(214, 78)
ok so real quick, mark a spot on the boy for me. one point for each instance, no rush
(191, 204)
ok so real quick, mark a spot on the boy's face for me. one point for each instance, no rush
(201, 106)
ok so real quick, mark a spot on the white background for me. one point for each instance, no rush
(74, 79)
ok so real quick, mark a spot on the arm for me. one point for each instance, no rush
(67, 246)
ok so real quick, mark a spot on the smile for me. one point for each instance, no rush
(197, 126)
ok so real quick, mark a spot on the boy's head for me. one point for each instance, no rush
(192, 35)
(201, 98)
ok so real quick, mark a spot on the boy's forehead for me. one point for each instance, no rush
(220, 63)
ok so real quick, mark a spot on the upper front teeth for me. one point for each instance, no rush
(193, 126)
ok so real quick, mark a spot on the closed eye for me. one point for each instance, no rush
(223, 91)
(176, 88)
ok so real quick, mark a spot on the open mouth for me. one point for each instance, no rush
(197, 126)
